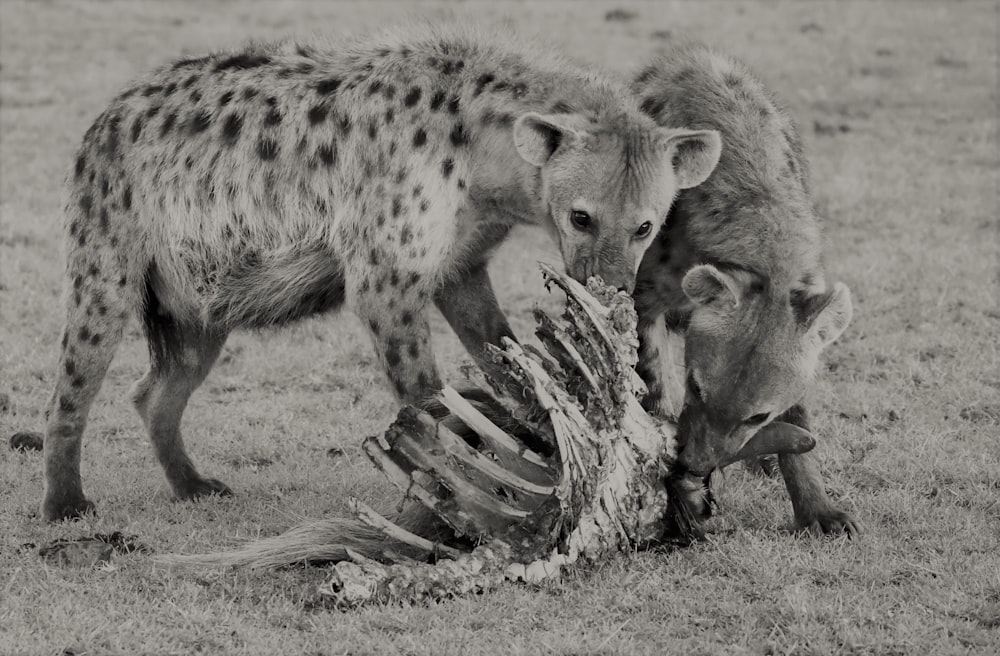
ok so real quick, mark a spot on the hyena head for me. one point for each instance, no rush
(749, 353)
(608, 186)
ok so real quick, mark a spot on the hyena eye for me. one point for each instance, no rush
(580, 219)
(693, 388)
(757, 419)
(644, 230)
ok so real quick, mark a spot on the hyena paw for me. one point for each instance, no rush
(830, 521)
(56, 509)
(202, 487)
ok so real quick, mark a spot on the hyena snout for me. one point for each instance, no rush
(702, 446)
(617, 274)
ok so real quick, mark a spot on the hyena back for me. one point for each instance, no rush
(251, 188)
(738, 269)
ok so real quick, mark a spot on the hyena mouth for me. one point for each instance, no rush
(691, 502)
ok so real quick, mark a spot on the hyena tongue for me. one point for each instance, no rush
(777, 437)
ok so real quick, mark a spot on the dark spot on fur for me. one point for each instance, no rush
(152, 111)
(419, 138)
(397, 206)
(412, 97)
(417, 190)
(461, 183)
(83, 334)
(344, 125)
(317, 114)
(373, 257)
(186, 84)
(273, 117)
(231, 128)
(453, 105)
(225, 98)
(414, 351)
(103, 217)
(447, 166)
(200, 122)
(243, 61)
(267, 148)
(390, 114)
(86, 204)
(328, 86)
(732, 80)
(411, 280)
(652, 106)
(77, 281)
(70, 367)
(405, 235)
(372, 130)
(380, 219)
(188, 162)
(152, 89)
(425, 205)
(459, 137)
(77, 299)
(392, 355)
(136, 130)
(65, 340)
(519, 90)
(95, 339)
(66, 405)
(328, 153)
(78, 382)
(249, 93)
(501, 86)
(122, 281)
(105, 186)
(481, 83)
(374, 87)
(437, 100)
(389, 91)
(168, 123)
(169, 89)
(561, 107)
(81, 164)
(422, 379)
(93, 270)
(406, 318)
(394, 278)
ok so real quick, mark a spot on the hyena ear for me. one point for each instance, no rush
(706, 285)
(537, 136)
(693, 154)
(830, 314)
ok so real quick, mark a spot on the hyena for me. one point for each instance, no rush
(254, 187)
(737, 268)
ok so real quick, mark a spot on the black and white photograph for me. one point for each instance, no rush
(499, 327)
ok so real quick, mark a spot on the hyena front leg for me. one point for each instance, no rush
(98, 306)
(392, 303)
(470, 305)
(661, 367)
(814, 511)
(180, 358)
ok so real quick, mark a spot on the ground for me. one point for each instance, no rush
(899, 112)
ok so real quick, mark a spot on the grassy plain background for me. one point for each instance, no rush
(898, 106)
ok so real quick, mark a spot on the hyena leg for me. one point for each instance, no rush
(814, 511)
(470, 306)
(180, 358)
(96, 317)
(661, 367)
(392, 307)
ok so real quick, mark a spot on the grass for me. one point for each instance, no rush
(899, 112)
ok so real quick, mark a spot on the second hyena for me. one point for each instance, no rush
(251, 188)
(738, 269)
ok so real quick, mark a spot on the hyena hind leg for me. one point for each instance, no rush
(96, 316)
(180, 358)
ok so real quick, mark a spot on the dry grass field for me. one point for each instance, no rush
(898, 105)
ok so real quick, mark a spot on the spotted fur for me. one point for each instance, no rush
(252, 188)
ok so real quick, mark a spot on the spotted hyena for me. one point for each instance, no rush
(251, 188)
(737, 268)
